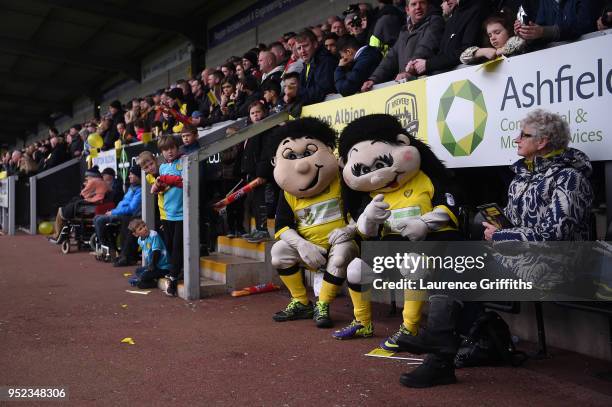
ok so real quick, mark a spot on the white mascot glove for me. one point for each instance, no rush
(311, 254)
(418, 228)
(373, 215)
(341, 235)
(413, 228)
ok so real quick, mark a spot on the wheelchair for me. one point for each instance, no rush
(79, 232)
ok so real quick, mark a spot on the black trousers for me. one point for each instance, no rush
(173, 237)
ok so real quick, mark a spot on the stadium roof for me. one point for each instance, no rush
(54, 51)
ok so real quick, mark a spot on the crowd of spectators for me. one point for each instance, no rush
(399, 40)
(396, 40)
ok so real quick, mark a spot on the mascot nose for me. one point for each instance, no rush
(375, 179)
(302, 166)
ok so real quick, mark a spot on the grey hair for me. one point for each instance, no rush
(550, 125)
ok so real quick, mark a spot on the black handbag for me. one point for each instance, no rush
(488, 343)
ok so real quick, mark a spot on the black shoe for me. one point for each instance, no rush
(171, 289)
(143, 285)
(321, 315)
(122, 262)
(439, 336)
(435, 371)
(295, 310)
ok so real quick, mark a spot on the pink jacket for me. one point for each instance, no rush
(94, 190)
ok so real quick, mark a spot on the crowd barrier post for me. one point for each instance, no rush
(191, 226)
(7, 204)
(33, 190)
(212, 144)
(33, 221)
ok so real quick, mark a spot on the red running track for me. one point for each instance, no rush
(62, 321)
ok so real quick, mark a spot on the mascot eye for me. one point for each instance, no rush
(289, 154)
(359, 169)
(307, 153)
(311, 148)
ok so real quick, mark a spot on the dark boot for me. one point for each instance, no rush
(435, 370)
(439, 336)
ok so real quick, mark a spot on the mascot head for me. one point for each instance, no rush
(304, 162)
(378, 155)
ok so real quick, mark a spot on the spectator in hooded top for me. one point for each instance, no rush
(560, 21)
(280, 53)
(389, 21)
(420, 38)
(317, 78)
(462, 30)
(291, 87)
(356, 64)
(268, 66)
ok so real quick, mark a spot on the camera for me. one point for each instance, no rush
(355, 13)
(351, 9)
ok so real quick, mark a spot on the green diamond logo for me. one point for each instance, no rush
(466, 145)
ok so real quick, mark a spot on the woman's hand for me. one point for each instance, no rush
(531, 31)
(489, 230)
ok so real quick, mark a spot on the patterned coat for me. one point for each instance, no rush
(552, 202)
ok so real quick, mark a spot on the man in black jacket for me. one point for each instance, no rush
(389, 21)
(463, 29)
(317, 77)
(420, 38)
(58, 154)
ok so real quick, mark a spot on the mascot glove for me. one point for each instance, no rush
(376, 213)
(342, 235)
(436, 219)
(413, 228)
(311, 254)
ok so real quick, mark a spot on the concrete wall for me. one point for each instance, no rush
(575, 330)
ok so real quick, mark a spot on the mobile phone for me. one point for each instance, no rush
(494, 215)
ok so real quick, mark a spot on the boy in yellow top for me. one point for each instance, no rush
(309, 222)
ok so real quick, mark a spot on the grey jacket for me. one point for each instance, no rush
(421, 42)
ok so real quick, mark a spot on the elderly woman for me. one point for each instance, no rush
(550, 197)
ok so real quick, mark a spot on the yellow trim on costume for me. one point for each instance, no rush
(280, 232)
(450, 214)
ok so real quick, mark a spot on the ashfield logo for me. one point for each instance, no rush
(404, 107)
(466, 143)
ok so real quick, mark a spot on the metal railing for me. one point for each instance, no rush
(7, 204)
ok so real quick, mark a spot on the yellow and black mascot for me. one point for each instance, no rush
(309, 221)
(398, 190)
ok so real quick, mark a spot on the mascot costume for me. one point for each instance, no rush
(398, 190)
(309, 222)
